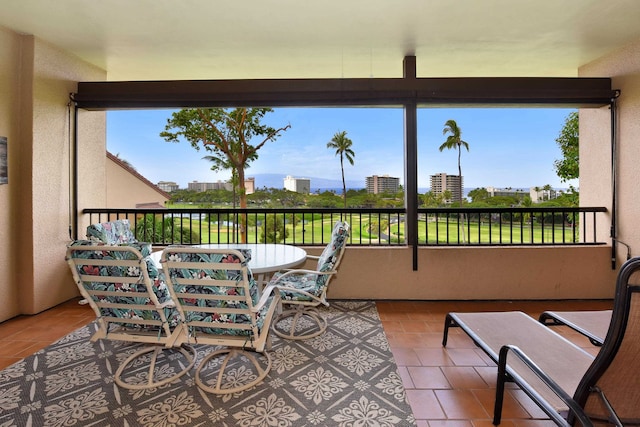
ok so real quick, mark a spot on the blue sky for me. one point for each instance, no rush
(507, 147)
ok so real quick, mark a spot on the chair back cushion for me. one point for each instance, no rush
(331, 254)
(111, 233)
(214, 289)
(121, 281)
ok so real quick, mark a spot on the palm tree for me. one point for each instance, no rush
(342, 145)
(454, 140)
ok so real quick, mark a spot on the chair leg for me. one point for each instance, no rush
(232, 375)
(188, 352)
(300, 312)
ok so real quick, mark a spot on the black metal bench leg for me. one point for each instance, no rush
(502, 378)
(448, 323)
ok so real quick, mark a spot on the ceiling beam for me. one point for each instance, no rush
(476, 91)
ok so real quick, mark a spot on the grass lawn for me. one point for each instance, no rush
(317, 230)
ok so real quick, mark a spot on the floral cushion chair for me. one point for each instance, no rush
(302, 291)
(220, 304)
(132, 303)
(111, 233)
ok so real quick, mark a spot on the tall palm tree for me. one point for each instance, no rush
(342, 145)
(454, 141)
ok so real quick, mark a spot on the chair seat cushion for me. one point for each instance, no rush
(193, 316)
(307, 282)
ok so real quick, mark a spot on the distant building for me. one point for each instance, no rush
(442, 182)
(299, 185)
(382, 184)
(539, 194)
(204, 186)
(509, 192)
(168, 186)
(250, 185)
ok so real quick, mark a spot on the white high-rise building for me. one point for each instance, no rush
(299, 185)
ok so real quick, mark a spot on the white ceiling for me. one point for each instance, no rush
(214, 39)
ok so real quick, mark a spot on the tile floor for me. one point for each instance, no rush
(455, 386)
(447, 387)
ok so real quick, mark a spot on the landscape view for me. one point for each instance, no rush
(481, 150)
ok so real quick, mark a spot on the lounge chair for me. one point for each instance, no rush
(592, 324)
(220, 305)
(302, 291)
(132, 304)
(567, 383)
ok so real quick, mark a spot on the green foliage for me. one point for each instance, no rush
(342, 145)
(478, 194)
(454, 141)
(326, 199)
(273, 230)
(156, 229)
(568, 167)
(432, 200)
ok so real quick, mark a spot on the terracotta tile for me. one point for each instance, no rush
(489, 423)
(465, 357)
(406, 378)
(488, 373)
(425, 405)
(463, 377)
(428, 377)
(434, 356)
(526, 402)
(8, 361)
(392, 326)
(450, 423)
(415, 326)
(405, 357)
(534, 423)
(460, 404)
(511, 408)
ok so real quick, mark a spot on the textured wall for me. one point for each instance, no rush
(623, 66)
(35, 80)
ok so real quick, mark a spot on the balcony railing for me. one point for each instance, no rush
(369, 227)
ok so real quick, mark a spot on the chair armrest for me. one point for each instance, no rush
(264, 298)
(288, 273)
(273, 287)
(574, 407)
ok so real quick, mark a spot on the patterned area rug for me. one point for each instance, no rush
(346, 377)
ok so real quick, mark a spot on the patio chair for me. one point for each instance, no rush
(302, 291)
(220, 304)
(593, 324)
(567, 383)
(132, 304)
(112, 233)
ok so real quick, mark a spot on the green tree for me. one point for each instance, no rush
(454, 141)
(273, 230)
(478, 195)
(227, 133)
(156, 229)
(569, 166)
(342, 145)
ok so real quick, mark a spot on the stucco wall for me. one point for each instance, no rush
(38, 79)
(520, 273)
(10, 49)
(623, 66)
(124, 190)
